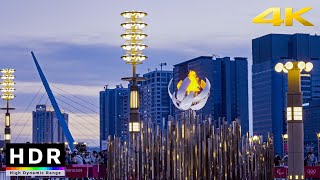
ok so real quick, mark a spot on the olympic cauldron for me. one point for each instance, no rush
(192, 93)
(191, 146)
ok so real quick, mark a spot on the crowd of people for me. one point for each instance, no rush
(85, 157)
(310, 160)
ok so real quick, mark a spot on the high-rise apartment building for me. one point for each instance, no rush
(155, 103)
(311, 113)
(114, 113)
(45, 125)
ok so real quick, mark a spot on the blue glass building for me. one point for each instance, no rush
(311, 111)
(45, 125)
(229, 86)
(155, 103)
(114, 113)
(269, 88)
(311, 125)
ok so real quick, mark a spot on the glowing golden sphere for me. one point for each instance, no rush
(309, 66)
(289, 65)
(279, 67)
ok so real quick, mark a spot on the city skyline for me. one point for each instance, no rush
(61, 43)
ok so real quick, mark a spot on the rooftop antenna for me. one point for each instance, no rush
(215, 56)
(162, 64)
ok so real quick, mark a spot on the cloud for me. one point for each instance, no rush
(25, 87)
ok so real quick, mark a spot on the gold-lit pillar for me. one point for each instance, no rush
(134, 124)
(7, 133)
(7, 95)
(294, 117)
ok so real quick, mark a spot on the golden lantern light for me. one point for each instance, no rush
(7, 83)
(285, 136)
(136, 14)
(291, 65)
(133, 36)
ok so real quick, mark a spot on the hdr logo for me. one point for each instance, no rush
(35, 159)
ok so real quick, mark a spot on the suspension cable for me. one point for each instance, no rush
(78, 115)
(76, 97)
(76, 102)
(17, 122)
(28, 120)
(77, 109)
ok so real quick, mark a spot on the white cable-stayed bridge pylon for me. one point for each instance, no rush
(60, 117)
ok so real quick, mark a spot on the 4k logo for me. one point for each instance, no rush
(276, 20)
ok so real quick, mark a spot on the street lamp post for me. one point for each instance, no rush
(318, 136)
(133, 36)
(7, 95)
(285, 143)
(294, 116)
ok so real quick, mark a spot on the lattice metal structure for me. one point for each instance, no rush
(190, 148)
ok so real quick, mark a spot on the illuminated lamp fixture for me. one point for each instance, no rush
(133, 36)
(290, 65)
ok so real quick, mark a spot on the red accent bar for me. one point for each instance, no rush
(309, 172)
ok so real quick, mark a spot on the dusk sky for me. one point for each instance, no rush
(77, 44)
